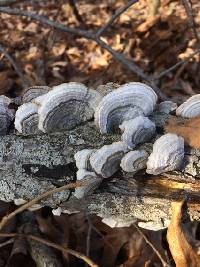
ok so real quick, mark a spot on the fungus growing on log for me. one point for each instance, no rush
(34, 91)
(167, 155)
(137, 131)
(106, 160)
(92, 181)
(33, 164)
(134, 161)
(66, 106)
(82, 159)
(190, 108)
(26, 118)
(167, 107)
(126, 102)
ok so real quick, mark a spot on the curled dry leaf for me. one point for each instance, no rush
(180, 240)
(189, 129)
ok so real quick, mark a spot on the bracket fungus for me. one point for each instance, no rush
(190, 108)
(106, 160)
(82, 159)
(26, 118)
(92, 182)
(126, 102)
(137, 131)
(167, 107)
(6, 114)
(167, 155)
(134, 161)
(34, 91)
(66, 106)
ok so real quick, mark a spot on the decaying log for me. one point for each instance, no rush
(30, 165)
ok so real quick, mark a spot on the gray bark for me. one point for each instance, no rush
(30, 165)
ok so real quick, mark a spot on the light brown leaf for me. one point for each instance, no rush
(189, 129)
(180, 239)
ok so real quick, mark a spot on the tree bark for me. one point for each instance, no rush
(31, 165)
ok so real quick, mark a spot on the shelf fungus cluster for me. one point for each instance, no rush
(125, 110)
(60, 108)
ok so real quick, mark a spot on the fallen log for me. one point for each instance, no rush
(31, 165)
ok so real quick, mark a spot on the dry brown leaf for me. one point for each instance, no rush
(16, 36)
(189, 129)
(149, 23)
(178, 237)
(58, 49)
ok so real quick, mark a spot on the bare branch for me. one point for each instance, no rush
(9, 2)
(10, 241)
(130, 65)
(16, 67)
(165, 72)
(189, 10)
(51, 23)
(119, 12)
(76, 12)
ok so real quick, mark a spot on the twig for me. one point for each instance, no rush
(45, 20)
(115, 16)
(130, 65)
(175, 66)
(27, 205)
(10, 2)
(189, 10)
(16, 67)
(10, 241)
(75, 11)
(53, 245)
(46, 41)
(164, 263)
(88, 239)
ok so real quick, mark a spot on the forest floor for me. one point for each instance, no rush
(50, 57)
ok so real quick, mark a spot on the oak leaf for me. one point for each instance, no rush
(180, 239)
(189, 129)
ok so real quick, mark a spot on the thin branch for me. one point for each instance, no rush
(16, 67)
(9, 2)
(75, 11)
(45, 20)
(27, 205)
(130, 65)
(88, 239)
(7, 242)
(165, 72)
(53, 245)
(189, 10)
(118, 13)
(164, 263)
